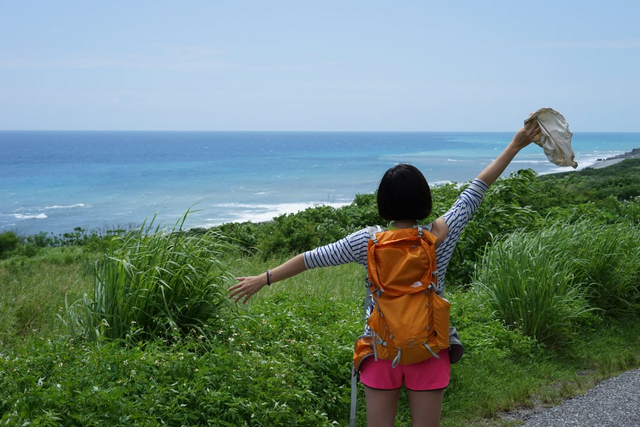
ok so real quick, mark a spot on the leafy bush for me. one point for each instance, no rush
(243, 235)
(9, 241)
(293, 233)
(155, 284)
(40, 240)
(588, 185)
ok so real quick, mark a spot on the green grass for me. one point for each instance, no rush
(154, 284)
(551, 282)
(284, 360)
(530, 286)
(553, 311)
(33, 291)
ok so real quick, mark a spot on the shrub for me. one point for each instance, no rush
(243, 235)
(317, 226)
(9, 241)
(619, 180)
(155, 284)
(40, 239)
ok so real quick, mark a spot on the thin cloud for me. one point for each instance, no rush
(183, 58)
(169, 57)
(598, 44)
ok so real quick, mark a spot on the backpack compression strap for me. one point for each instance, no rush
(354, 397)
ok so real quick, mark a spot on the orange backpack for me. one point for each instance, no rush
(409, 321)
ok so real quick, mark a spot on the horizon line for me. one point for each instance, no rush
(294, 131)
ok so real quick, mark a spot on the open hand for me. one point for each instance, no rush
(246, 287)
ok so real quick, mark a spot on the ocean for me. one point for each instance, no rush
(55, 181)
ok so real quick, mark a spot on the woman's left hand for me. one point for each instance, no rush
(526, 135)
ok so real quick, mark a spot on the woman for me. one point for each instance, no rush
(404, 198)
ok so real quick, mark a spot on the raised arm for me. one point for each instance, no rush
(523, 137)
(247, 286)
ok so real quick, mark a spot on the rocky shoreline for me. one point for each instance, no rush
(603, 163)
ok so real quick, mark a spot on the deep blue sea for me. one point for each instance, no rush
(54, 181)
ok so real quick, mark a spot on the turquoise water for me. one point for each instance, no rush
(56, 181)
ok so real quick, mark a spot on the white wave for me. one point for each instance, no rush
(235, 205)
(243, 212)
(532, 162)
(557, 169)
(77, 205)
(440, 183)
(21, 216)
(585, 161)
(216, 220)
(602, 154)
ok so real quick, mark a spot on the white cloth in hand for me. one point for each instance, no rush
(556, 137)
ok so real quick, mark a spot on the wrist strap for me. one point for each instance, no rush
(268, 277)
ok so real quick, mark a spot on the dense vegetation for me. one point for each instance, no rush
(132, 327)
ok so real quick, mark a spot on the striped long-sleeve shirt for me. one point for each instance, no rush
(353, 248)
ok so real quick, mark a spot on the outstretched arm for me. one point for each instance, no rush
(523, 137)
(247, 286)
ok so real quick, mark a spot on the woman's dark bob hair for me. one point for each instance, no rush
(404, 194)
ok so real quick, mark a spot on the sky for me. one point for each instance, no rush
(327, 65)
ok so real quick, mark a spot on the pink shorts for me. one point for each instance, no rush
(431, 374)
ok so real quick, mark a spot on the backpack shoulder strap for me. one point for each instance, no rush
(373, 230)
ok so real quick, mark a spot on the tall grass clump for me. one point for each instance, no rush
(529, 284)
(154, 283)
(606, 262)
